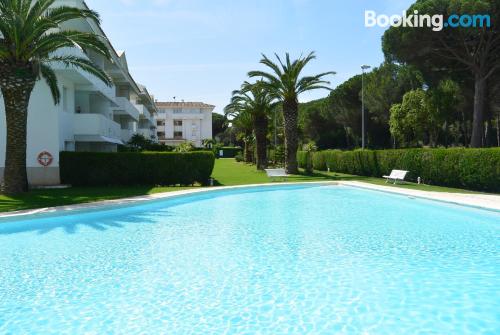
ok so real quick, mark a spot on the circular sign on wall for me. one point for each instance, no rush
(45, 158)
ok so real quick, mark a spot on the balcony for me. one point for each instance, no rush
(96, 128)
(125, 107)
(145, 114)
(83, 81)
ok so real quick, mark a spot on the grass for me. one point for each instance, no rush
(227, 172)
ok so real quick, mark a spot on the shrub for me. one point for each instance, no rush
(185, 147)
(239, 157)
(475, 169)
(133, 168)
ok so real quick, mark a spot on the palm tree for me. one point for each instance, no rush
(30, 34)
(285, 83)
(256, 101)
(243, 124)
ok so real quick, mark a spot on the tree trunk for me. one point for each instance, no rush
(498, 129)
(248, 152)
(290, 116)
(260, 128)
(16, 89)
(480, 90)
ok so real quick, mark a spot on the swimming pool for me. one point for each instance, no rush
(309, 259)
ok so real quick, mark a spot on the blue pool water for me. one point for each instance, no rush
(273, 260)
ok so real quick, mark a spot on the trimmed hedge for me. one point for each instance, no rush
(136, 168)
(229, 152)
(474, 169)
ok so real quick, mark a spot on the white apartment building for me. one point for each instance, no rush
(180, 122)
(90, 117)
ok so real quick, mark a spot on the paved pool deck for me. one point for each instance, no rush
(477, 200)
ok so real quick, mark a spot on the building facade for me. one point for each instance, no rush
(90, 117)
(180, 122)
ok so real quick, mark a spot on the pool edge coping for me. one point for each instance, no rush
(459, 199)
(445, 197)
(146, 197)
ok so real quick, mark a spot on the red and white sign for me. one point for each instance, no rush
(45, 158)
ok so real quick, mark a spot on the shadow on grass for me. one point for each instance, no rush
(71, 196)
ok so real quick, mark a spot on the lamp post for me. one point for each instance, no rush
(363, 141)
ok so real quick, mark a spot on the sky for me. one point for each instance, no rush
(202, 50)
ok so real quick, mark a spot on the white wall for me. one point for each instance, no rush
(206, 127)
(189, 117)
(48, 127)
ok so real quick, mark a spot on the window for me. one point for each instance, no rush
(177, 123)
(178, 111)
(177, 135)
(160, 123)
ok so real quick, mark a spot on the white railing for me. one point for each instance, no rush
(96, 124)
(97, 84)
(145, 114)
(125, 105)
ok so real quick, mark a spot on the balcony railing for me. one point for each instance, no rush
(125, 107)
(88, 81)
(145, 114)
(96, 125)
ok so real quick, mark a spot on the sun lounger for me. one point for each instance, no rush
(396, 175)
(276, 173)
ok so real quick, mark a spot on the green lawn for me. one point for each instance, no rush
(227, 172)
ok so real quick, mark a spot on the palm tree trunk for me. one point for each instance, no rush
(16, 91)
(290, 116)
(260, 128)
(247, 152)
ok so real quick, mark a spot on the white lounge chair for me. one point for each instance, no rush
(396, 175)
(276, 173)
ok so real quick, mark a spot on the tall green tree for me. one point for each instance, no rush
(345, 105)
(474, 50)
(30, 35)
(243, 124)
(424, 114)
(409, 120)
(219, 124)
(284, 81)
(256, 101)
(386, 85)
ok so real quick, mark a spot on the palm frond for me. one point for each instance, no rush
(54, 41)
(51, 80)
(83, 64)
(37, 11)
(64, 13)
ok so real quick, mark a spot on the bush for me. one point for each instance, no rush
(239, 157)
(474, 169)
(133, 168)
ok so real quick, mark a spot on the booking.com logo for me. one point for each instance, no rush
(436, 22)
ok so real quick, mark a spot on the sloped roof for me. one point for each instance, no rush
(175, 104)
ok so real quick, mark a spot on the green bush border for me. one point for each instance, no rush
(136, 168)
(473, 169)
